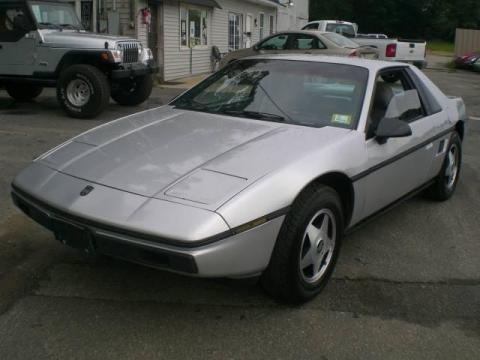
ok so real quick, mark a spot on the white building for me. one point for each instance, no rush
(181, 33)
(293, 15)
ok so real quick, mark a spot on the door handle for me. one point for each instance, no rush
(1, 47)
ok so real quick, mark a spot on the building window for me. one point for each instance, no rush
(234, 31)
(262, 25)
(193, 27)
(272, 25)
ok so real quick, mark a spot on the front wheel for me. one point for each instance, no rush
(22, 93)
(133, 92)
(446, 182)
(307, 247)
(83, 91)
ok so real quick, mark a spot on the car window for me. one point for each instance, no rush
(343, 29)
(394, 97)
(13, 22)
(305, 93)
(430, 102)
(341, 41)
(305, 42)
(278, 42)
(311, 27)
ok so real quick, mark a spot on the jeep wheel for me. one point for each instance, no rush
(133, 92)
(23, 92)
(83, 91)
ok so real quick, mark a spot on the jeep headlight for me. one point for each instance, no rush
(145, 54)
(117, 55)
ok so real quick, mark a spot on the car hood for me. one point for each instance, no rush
(80, 39)
(185, 156)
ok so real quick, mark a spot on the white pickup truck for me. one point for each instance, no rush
(410, 51)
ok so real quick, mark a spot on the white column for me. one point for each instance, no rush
(94, 15)
(78, 8)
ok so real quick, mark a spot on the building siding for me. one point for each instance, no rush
(181, 62)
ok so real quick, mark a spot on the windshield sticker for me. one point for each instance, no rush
(341, 119)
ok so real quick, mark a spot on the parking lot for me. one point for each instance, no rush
(406, 286)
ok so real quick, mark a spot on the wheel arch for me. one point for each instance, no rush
(90, 57)
(343, 185)
(460, 128)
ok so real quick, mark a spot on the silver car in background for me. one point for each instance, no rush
(304, 42)
(258, 170)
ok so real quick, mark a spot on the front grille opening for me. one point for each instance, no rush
(154, 258)
(130, 52)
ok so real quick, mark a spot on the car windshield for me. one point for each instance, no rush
(51, 15)
(308, 93)
(343, 29)
(341, 41)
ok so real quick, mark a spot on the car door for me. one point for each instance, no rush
(304, 44)
(274, 44)
(17, 39)
(400, 165)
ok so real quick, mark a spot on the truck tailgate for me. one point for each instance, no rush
(411, 50)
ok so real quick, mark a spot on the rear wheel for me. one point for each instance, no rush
(307, 247)
(446, 182)
(22, 92)
(83, 91)
(133, 92)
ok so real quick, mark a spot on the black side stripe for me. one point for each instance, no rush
(400, 156)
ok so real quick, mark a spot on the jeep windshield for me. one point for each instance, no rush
(51, 15)
(307, 93)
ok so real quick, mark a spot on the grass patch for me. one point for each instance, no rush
(443, 46)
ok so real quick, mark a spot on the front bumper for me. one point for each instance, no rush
(134, 70)
(239, 255)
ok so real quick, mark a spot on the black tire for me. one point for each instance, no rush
(94, 82)
(133, 92)
(283, 278)
(21, 92)
(443, 187)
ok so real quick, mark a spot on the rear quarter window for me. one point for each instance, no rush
(430, 102)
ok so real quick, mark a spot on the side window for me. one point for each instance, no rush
(311, 27)
(278, 42)
(305, 42)
(431, 104)
(14, 23)
(394, 97)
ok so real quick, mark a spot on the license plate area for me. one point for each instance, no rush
(70, 234)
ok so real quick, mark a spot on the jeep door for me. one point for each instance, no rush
(17, 39)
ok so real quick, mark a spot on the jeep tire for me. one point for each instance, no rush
(22, 92)
(134, 91)
(83, 91)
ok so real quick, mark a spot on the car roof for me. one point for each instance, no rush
(372, 65)
(314, 32)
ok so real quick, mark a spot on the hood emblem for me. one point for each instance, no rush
(87, 190)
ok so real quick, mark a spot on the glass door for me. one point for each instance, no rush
(234, 31)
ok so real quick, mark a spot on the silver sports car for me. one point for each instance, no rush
(258, 170)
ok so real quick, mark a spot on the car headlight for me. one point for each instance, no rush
(145, 54)
(117, 55)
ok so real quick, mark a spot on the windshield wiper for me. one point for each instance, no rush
(55, 26)
(255, 115)
(70, 26)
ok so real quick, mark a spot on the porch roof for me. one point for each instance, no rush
(208, 3)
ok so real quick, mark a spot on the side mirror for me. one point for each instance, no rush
(391, 128)
(21, 23)
(255, 47)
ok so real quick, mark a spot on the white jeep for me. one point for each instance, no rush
(42, 44)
